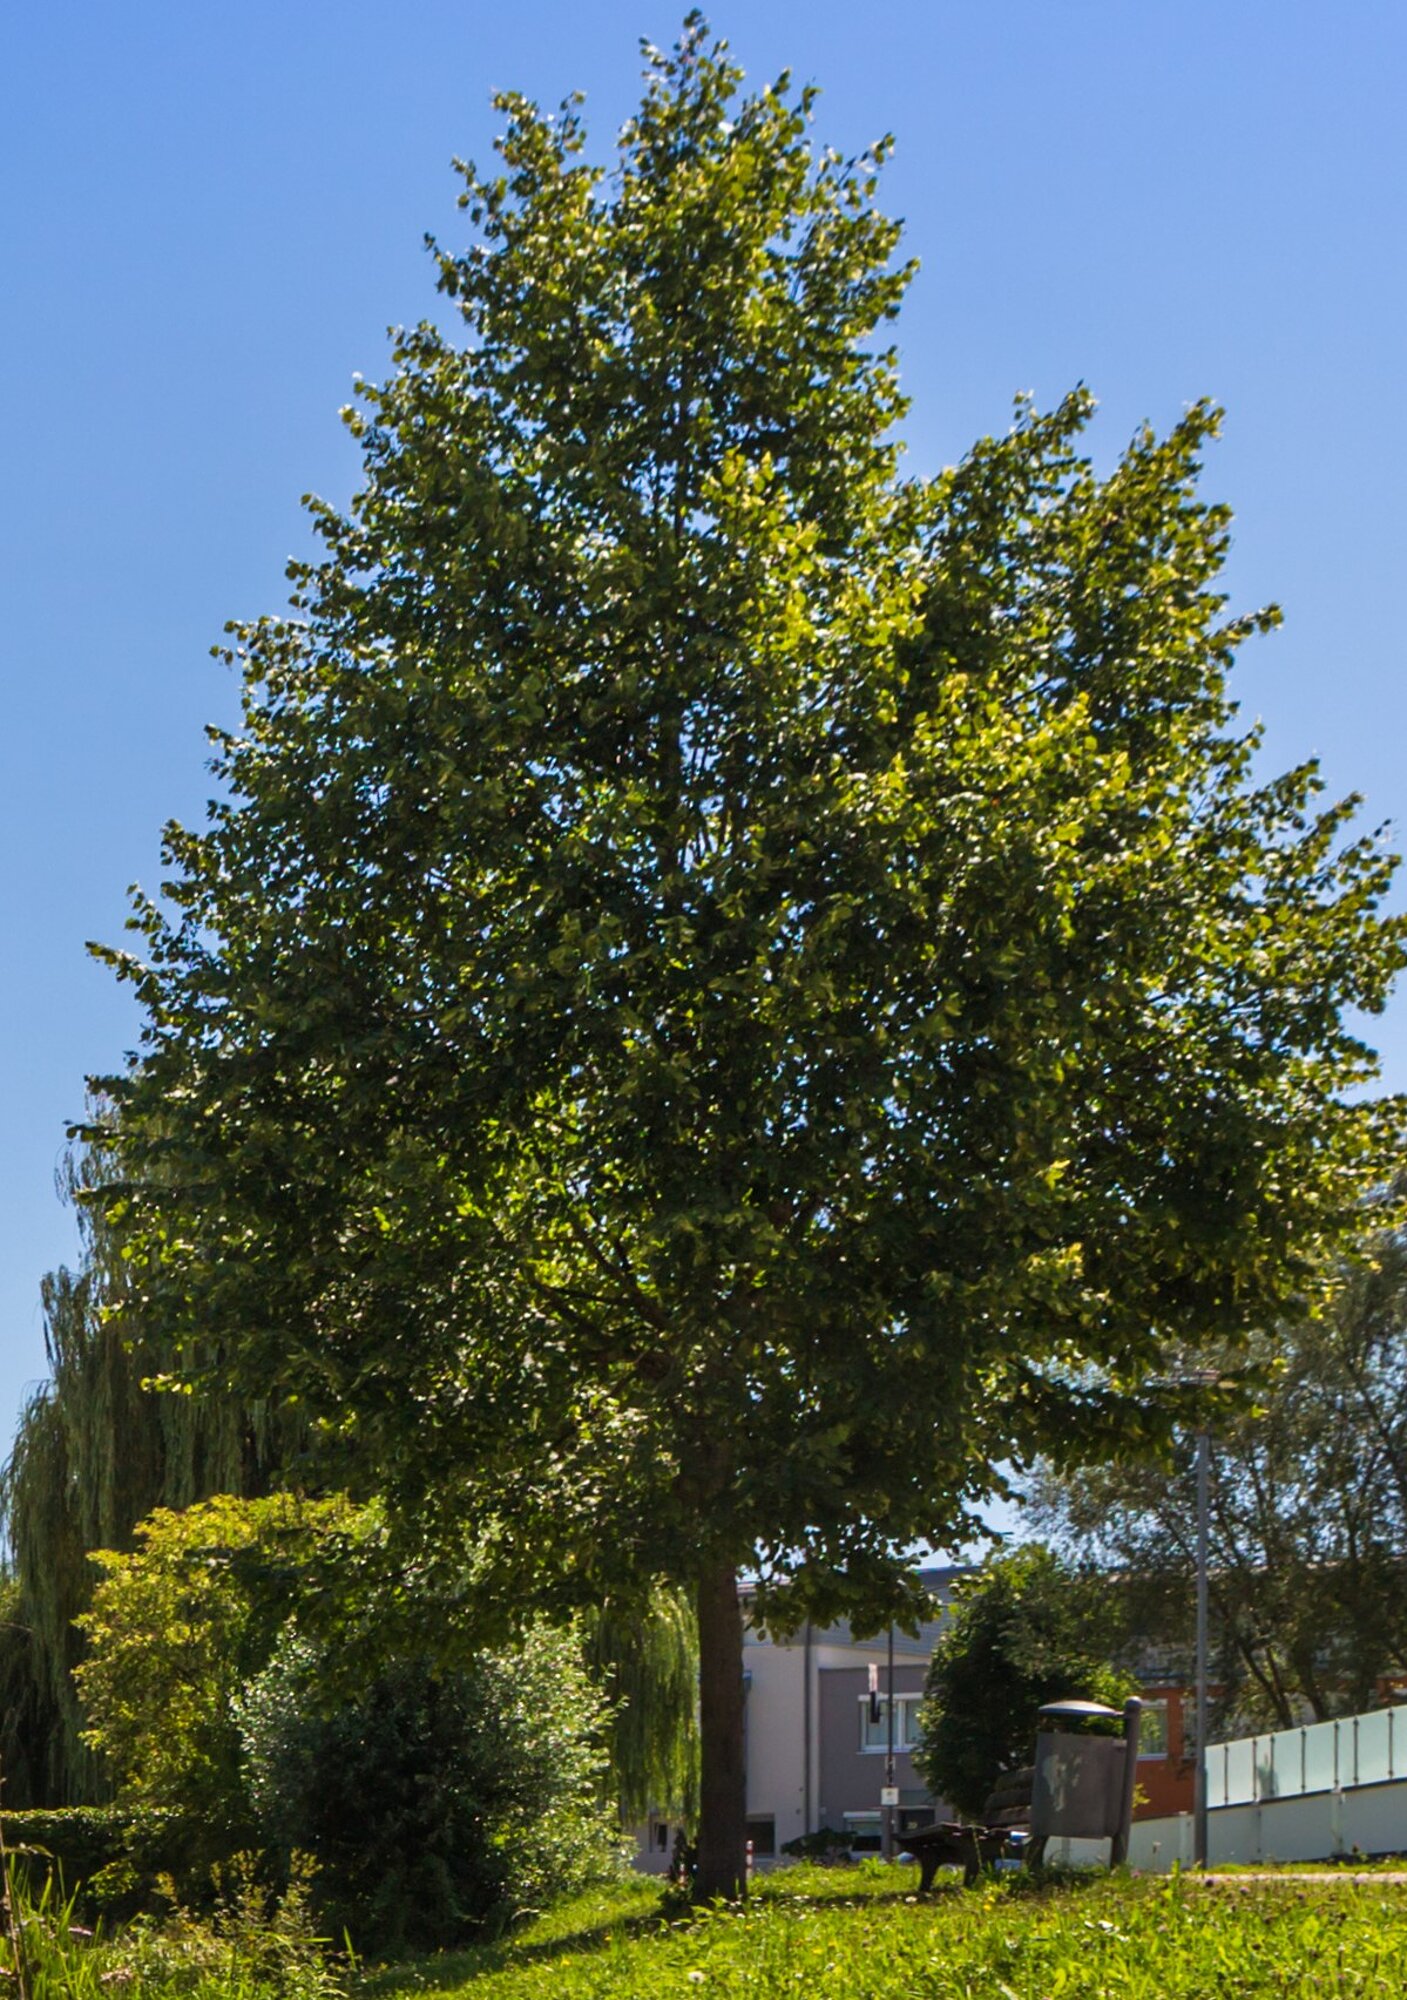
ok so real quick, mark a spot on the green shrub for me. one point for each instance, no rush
(177, 1624)
(248, 1945)
(437, 1803)
(825, 1844)
(110, 1858)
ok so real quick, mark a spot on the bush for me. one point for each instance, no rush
(248, 1945)
(437, 1803)
(433, 1799)
(108, 1858)
(176, 1626)
(825, 1844)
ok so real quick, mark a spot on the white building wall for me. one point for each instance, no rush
(783, 1727)
(776, 1770)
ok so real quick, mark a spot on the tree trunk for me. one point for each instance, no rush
(722, 1865)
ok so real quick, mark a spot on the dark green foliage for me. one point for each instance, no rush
(31, 1725)
(243, 1942)
(1026, 1630)
(96, 1450)
(77, 1841)
(110, 1857)
(434, 1796)
(438, 1802)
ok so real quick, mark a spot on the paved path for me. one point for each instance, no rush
(1361, 1876)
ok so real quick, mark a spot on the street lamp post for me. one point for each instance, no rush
(1200, 1378)
(1199, 1775)
(888, 1810)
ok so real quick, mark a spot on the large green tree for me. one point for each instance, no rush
(727, 991)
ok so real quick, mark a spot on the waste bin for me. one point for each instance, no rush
(1082, 1788)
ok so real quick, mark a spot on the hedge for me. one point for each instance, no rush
(111, 1857)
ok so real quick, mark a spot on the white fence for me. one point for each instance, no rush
(1314, 1794)
(1322, 1757)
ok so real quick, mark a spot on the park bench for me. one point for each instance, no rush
(1006, 1814)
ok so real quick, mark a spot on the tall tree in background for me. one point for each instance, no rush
(1308, 1516)
(730, 993)
(646, 1662)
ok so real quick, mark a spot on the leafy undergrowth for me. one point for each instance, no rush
(247, 1949)
(865, 1935)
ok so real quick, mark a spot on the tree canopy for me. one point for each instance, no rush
(1307, 1517)
(728, 991)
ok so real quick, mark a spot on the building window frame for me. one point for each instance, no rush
(866, 1830)
(1156, 1707)
(874, 1736)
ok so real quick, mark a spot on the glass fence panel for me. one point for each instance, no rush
(1356, 1750)
(1277, 1764)
(1240, 1771)
(1319, 1757)
(1374, 1747)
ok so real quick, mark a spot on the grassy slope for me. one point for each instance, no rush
(848, 1936)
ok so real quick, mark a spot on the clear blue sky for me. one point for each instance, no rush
(213, 211)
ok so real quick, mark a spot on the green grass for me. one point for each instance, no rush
(865, 1935)
(806, 1934)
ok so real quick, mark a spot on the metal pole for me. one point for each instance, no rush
(806, 1826)
(889, 1814)
(1133, 1723)
(1199, 1775)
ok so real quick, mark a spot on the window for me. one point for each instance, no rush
(1153, 1729)
(866, 1831)
(875, 1735)
(763, 1835)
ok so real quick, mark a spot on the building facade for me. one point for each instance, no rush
(816, 1744)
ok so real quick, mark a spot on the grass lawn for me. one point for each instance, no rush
(843, 1934)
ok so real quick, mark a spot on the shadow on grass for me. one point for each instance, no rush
(450, 1970)
(1024, 1882)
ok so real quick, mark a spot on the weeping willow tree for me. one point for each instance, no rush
(647, 1663)
(30, 1724)
(96, 1449)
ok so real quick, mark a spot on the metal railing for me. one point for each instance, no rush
(1321, 1757)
